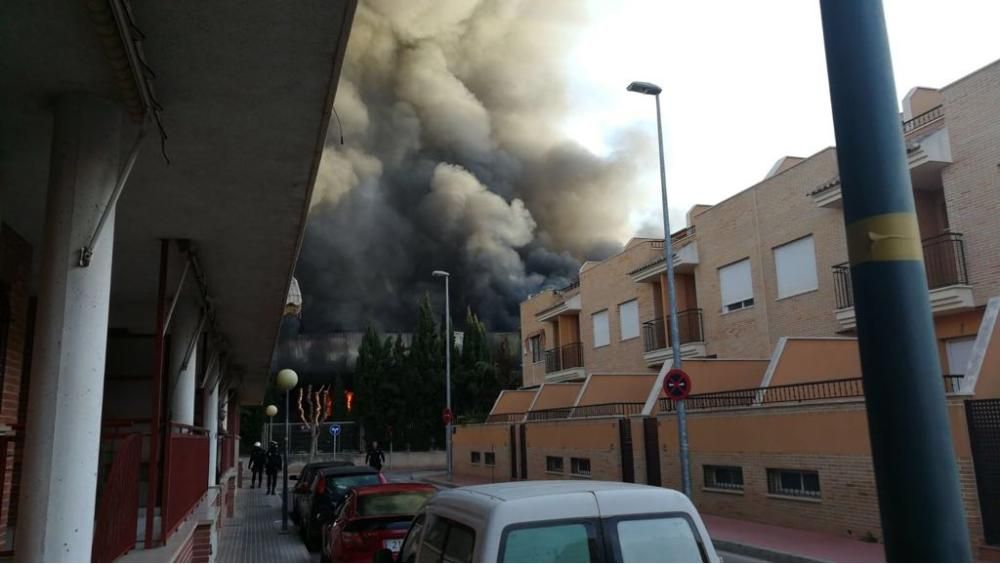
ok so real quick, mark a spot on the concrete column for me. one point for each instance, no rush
(182, 380)
(211, 412)
(59, 478)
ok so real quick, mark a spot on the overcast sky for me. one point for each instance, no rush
(745, 82)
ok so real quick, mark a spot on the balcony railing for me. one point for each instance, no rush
(620, 409)
(944, 262)
(564, 358)
(656, 333)
(923, 119)
(789, 393)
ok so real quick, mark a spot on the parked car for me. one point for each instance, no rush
(301, 493)
(329, 488)
(373, 518)
(557, 521)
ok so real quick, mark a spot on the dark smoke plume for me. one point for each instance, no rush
(453, 160)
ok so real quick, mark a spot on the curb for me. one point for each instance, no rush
(760, 553)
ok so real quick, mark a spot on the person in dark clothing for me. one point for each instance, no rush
(271, 465)
(375, 457)
(257, 459)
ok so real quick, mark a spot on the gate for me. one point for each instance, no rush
(983, 417)
(651, 444)
(625, 440)
(523, 444)
(513, 453)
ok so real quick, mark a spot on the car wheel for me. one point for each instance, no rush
(312, 543)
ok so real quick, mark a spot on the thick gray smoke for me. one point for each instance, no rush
(453, 160)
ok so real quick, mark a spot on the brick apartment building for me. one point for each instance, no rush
(766, 321)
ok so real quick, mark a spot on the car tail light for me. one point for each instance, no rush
(353, 540)
(321, 487)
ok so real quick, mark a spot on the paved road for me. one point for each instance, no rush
(733, 557)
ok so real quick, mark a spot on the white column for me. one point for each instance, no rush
(59, 478)
(182, 380)
(211, 411)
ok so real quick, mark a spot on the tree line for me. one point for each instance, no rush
(399, 390)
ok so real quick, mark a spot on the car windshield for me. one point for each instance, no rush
(342, 484)
(392, 503)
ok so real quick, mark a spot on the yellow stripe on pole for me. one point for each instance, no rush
(886, 237)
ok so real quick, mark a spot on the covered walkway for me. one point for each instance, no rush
(254, 533)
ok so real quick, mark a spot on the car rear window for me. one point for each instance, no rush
(554, 542)
(392, 503)
(341, 484)
(658, 539)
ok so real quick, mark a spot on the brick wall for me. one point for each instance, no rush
(972, 182)
(493, 438)
(533, 373)
(15, 271)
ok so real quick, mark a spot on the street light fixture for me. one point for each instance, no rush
(447, 366)
(651, 89)
(285, 381)
(270, 411)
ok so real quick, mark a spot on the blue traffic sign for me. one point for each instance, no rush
(334, 430)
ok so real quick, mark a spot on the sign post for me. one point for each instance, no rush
(335, 431)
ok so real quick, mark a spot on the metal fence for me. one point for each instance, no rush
(564, 357)
(348, 440)
(505, 417)
(656, 333)
(549, 414)
(620, 409)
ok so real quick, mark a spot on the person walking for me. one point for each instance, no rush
(272, 465)
(375, 457)
(258, 457)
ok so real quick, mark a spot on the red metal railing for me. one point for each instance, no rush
(118, 505)
(186, 474)
(226, 452)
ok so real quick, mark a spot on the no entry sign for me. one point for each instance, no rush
(446, 416)
(677, 384)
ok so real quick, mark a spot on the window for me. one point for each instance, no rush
(724, 477)
(553, 542)
(445, 541)
(408, 553)
(959, 353)
(554, 464)
(535, 344)
(476, 457)
(397, 503)
(658, 539)
(736, 286)
(628, 319)
(798, 483)
(490, 458)
(579, 466)
(795, 264)
(601, 335)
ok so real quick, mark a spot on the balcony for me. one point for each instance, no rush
(656, 337)
(564, 363)
(947, 279)
(685, 259)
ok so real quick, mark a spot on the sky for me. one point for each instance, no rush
(744, 82)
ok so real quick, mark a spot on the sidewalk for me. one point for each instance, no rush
(766, 542)
(254, 534)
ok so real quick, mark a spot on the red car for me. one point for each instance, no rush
(373, 518)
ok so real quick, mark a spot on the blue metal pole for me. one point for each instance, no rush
(915, 471)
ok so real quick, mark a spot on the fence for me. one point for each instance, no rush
(564, 357)
(656, 333)
(547, 414)
(118, 503)
(620, 409)
(505, 418)
(789, 393)
(186, 473)
(348, 440)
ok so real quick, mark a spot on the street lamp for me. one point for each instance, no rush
(285, 381)
(447, 366)
(651, 89)
(270, 411)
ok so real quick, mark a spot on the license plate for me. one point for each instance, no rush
(393, 544)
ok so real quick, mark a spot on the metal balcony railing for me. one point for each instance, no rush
(944, 262)
(789, 393)
(656, 333)
(564, 357)
(923, 119)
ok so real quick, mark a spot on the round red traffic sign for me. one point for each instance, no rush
(677, 384)
(446, 416)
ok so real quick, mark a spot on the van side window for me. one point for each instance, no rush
(408, 553)
(657, 538)
(446, 541)
(561, 541)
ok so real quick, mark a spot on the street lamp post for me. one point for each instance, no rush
(270, 411)
(286, 380)
(668, 255)
(447, 365)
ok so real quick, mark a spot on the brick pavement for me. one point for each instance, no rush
(254, 534)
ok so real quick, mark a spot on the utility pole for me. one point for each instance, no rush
(915, 470)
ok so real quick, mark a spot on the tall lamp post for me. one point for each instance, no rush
(286, 380)
(651, 89)
(270, 411)
(447, 366)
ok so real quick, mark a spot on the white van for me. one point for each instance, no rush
(558, 521)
